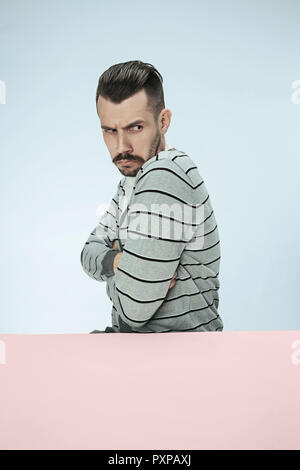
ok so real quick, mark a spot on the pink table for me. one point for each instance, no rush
(221, 390)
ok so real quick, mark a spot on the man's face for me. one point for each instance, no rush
(130, 132)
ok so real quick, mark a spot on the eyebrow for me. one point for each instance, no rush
(134, 123)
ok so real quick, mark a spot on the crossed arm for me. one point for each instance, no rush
(149, 259)
(118, 257)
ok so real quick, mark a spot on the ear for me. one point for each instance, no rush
(166, 115)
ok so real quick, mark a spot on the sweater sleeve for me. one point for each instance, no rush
(97, 255)
(158, 229)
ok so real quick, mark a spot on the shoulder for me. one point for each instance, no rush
(167, 172)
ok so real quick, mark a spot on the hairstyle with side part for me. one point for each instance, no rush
(120, 81)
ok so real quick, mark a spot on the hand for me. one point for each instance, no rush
(172, 283)
(117, 257)
(117, 260)
(115, 247)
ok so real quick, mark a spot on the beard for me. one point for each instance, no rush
(133, 168)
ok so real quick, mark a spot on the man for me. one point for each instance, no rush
(157, 246)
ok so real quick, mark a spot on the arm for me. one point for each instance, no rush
(98, 253)
(117, 260)
(150, 257)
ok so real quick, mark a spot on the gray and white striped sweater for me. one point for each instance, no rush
(155, 244)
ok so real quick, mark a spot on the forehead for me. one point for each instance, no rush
(136, 106)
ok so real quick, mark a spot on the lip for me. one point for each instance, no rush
(125, 162)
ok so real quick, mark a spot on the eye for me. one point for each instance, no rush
(110, 131)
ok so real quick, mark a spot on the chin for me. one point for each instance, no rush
(130, 172)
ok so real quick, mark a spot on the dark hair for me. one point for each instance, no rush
(120, 81)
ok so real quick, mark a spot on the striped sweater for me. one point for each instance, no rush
(164, 223)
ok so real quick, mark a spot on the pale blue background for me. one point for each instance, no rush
(228, 67)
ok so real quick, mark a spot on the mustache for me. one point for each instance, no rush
(126, 157)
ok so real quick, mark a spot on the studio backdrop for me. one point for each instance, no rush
(231, 77)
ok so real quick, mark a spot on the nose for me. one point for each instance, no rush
(123, 145)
